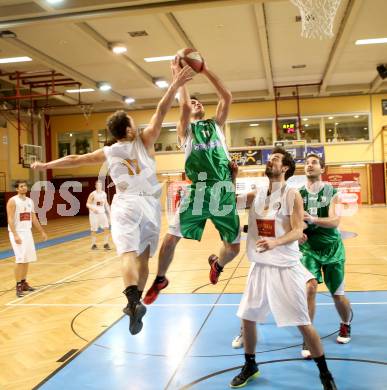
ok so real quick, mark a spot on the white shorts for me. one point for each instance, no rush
(24, 252)
(98, 221)
(136, 222)
(279, 290)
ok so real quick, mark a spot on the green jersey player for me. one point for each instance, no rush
(211, 194)
(322, 248)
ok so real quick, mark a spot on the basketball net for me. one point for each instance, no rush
(317, 17)
(46, 118)
(87, 110)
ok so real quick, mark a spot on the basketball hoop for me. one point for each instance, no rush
(87, 110)
(317, 17)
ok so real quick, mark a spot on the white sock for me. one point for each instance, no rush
(93, 240)
(106, 240)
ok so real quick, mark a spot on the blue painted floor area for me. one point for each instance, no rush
(186, 343)
(54, 241)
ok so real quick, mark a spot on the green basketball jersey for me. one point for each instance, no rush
(317, 205)
(206, 153)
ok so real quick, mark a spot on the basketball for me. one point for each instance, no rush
(192, 58)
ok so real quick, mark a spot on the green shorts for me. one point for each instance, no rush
(216, 204)
(327, 263)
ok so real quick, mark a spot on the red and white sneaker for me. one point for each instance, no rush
(154, 291)
(214, 270)
(27, 287)
(344, 336)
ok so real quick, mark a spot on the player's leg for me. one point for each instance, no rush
(143, 269)
(134, 309)
(311, 263)
(93, 229)
(313, 341)
(229, 229)
(166, 254)
(253, 308)
(334, 279)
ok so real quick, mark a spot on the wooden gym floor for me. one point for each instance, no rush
(39, 329)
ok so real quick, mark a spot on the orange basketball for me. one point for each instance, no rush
(192, 58)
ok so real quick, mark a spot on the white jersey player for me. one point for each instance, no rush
(21, 217)
(277, 280)
(135, 211)
(99, 215)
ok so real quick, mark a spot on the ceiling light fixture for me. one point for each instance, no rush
(104, 86)
(331, 117)
(118, 48)
(356, 116)
(254, 124)
(161, 83)
(370, 41)
(158, 59)
(11, 60)
(80, 90)
(128, 100)
(54, 1)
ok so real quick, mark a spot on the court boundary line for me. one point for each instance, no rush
(164, 304)
(57, 283)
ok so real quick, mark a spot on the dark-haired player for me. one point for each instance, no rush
(135, 210)
(276, 280)
(322, 248)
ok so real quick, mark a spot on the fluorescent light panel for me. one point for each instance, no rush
(11, 60)
(129, 100)
(162, 84)
(81, 90)
(158, 59)
(371, 41)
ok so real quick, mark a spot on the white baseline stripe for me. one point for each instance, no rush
(158, 305)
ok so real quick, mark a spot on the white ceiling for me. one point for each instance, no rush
(250, 44)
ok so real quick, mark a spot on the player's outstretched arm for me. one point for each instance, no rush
(185, 106)
(152, 131)
(225, 96)
(71, 161)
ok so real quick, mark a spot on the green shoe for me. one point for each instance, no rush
(248, 373)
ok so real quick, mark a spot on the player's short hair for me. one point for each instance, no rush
(287, 161)
(194, 98)
(320, 159)
(117, 124)
(18, 182)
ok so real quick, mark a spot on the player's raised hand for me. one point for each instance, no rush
(184, 75)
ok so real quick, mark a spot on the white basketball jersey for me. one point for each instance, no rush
(132, 169)
(269, 217)
(99, 201)
(23, 213)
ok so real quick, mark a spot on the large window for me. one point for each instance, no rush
(251, 133)
(167, 142)
(310, 131)
(75, 142)
(104, 138)
(342, 128)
